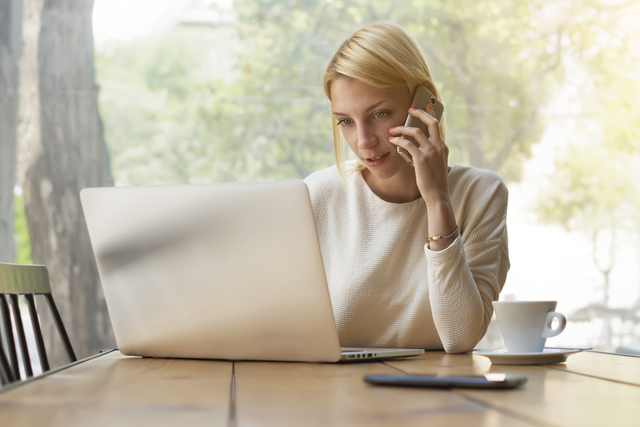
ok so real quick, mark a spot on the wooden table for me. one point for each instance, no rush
(591, 389)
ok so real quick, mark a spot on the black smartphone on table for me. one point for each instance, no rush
(492, 381)
(421, 99)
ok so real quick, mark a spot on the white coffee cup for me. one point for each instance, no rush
(526, 325)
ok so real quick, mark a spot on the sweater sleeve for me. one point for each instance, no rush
(468, 275)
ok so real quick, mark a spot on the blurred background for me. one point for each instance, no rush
(139, 92)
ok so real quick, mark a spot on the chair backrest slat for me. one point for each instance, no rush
(37, 332)
(5, 368)
(61, 330)
(27, 280)
(22, 339)
(8, 333)
(24, 279)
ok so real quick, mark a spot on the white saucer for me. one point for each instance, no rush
(547, 357)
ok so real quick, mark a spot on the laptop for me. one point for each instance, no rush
(216, 271)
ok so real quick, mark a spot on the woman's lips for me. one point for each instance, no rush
(376, 161)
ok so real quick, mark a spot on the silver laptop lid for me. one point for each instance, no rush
(220, 271)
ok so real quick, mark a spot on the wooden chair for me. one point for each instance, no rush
(27, 280)
(6, 374)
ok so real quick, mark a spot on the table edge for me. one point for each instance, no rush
(17, 384)
(612, 354)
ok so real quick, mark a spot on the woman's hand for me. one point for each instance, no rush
(432, 169)
(430, 159)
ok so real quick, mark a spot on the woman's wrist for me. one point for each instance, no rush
(448, 239)
(439, 204)
(442, 223)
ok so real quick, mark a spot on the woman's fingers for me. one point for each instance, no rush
(415, 133)
(426, 153)
(407, 145)
(432, 126)
(432, 148)
(430, 158)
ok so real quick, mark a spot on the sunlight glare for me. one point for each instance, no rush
(126, 19)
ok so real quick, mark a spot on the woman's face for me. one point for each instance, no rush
(365, 114)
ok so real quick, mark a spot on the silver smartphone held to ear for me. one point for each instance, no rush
(421, 99)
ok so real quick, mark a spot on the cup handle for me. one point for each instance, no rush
(548, 332)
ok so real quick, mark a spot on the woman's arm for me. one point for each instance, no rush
(468, 275)
(432, 169)
(465, 272)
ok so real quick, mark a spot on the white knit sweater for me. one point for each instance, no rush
(387, 289)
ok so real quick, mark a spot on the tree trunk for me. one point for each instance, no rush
(10, 32)
(60, 151)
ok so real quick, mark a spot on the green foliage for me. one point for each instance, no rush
(617, 92)
(494, 72)
(592, 189)
(595, 185)
(245, 102)
(21, 233)
(152, 92)
(490, 63)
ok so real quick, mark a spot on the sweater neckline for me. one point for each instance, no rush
(373, 196)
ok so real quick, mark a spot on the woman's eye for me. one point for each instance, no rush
(380, 115)
(344, 122)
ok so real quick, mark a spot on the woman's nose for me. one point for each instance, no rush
(366, 137)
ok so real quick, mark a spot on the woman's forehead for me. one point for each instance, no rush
(354, 95)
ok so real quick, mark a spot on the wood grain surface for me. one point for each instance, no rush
(615, 368)
(115, 390)
(552, 395)
(591, 390)
(303, 394)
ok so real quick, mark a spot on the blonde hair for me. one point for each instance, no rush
(381, 55)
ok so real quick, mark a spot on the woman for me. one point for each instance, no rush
(388, 287)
